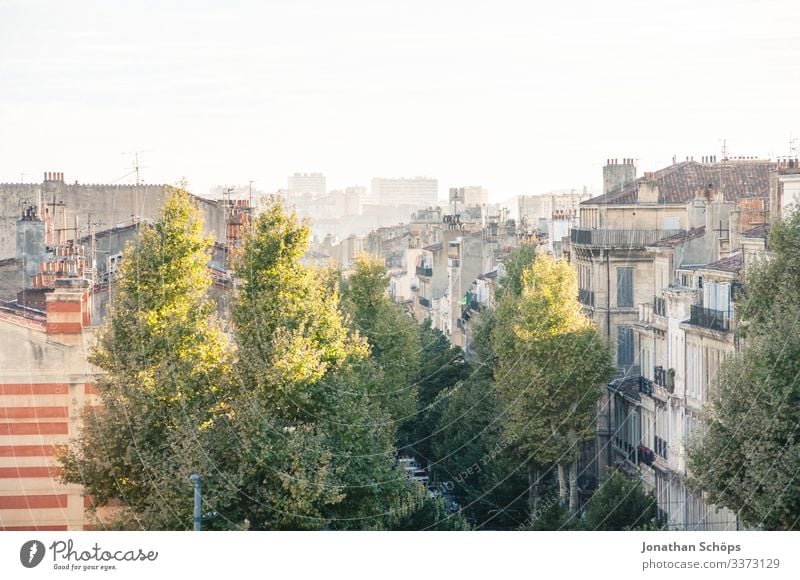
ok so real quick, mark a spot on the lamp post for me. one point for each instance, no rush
(198, 497)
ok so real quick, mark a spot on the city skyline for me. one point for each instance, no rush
(516, 98)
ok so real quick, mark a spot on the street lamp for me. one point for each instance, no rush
(199, 518)
(198, 498)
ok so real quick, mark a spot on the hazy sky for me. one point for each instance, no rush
(521, 97)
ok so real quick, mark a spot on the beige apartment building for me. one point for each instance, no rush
(659, 267)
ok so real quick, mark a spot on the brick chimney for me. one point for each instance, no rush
(68, 309)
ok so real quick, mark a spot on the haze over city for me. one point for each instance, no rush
(515, 97)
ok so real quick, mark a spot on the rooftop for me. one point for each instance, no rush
(732, 263)
(756, 232)
(680, 238)
(679, 183)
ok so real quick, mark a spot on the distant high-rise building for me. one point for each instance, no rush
(313, 183)
(470, 195)
(418, 191)
(354, 197)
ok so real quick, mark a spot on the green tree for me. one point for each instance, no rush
(164, 360)
(551, 365)
(748, 457)
(306, 444)
(517, 262)
(471, 454)
(441, 367)
(419, 511)
(392, 335)
(621, 504)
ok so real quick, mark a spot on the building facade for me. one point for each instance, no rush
(658, 262)
(416, 191)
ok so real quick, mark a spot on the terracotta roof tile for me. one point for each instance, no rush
(732, 263)
(680, 182)
(756, 232)
(679, 238)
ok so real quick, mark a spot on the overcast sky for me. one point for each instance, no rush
(519, 96)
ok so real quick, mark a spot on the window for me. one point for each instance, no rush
(718, 296)
(644, 361)
(624, 287)
(699, 281)
(624, 346)
(694, 371)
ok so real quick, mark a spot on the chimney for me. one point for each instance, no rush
(68, 309)
(30, 238)
(618, 176)
(647, 191)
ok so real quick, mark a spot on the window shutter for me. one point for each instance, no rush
(624, 287)
(624, 346)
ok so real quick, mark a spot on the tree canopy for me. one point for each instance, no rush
(551, 366)
(165, 364)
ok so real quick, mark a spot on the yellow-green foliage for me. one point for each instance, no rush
(165, 361)
(551, 364)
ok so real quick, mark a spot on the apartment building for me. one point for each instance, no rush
(413, 191)
(707, 221)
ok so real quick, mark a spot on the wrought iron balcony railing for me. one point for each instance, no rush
(619, 238)
(646, 386)
(709, 318)
(586, 297)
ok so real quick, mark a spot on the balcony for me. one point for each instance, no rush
(661, 447)
(660, 306)
(424, 302)
(625, 449)
(619, 238)
(664, 378)
(586, 297)
(645, 454)
(709, 318)
(424, 271)
(646, 386)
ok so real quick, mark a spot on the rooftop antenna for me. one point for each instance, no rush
(137, 172)
(90, 225)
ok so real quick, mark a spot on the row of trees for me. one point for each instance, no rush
(291, 418)
(295, 416)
